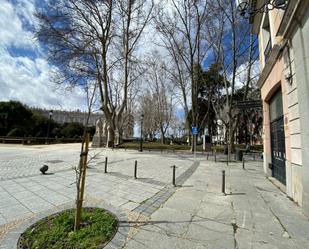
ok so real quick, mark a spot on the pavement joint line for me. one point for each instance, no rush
(35, 194)
(127, 177)
(32, 175)
(167, 192)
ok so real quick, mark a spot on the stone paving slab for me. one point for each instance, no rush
(29, 194)
(254, 213)
(195, 214)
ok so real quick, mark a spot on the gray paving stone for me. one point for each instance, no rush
(8, 201)
(2, 220)
(193, 215)
(184, 204)
(15, 212)
(23, 194)
(129, 205)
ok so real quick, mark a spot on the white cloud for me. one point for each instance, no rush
(242, 74)
(26, 78)
(12, 32)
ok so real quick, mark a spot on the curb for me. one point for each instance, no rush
(11, 238)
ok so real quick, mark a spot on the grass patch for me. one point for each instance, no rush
(154, 146)
(56, 231)
(175, 147)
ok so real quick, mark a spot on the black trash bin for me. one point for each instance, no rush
(239, 155)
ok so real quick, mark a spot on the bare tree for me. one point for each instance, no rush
(181, 27)
(133, 15)
(85, 41)
(158, 103)
(232, 47)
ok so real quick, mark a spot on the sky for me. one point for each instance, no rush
(24, 71)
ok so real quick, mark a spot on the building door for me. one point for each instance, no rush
(277, 138)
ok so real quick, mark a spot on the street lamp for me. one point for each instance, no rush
(50, 116)
(248, 8)
(141, 142)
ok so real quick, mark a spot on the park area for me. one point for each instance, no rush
(153, 210)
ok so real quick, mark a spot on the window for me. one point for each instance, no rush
(267, 45)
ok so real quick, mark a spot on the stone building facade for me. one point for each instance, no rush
(284, 82)
(62, 117)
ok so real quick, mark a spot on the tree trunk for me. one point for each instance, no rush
(110, 133)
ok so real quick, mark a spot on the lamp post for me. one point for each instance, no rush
(141, 142)
(248, 9)
(50, 116)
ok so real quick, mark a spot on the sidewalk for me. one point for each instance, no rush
(253, 214)
(195, 214)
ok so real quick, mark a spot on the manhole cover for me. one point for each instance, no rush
(54, 161)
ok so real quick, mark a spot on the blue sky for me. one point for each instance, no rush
(24, 71)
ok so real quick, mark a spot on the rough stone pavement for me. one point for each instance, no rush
(253, 214)
(195, 214)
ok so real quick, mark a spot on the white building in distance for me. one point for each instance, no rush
(62, 117)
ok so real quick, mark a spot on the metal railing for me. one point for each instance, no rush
(37, 140)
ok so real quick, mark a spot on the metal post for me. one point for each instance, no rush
(195, 138)
(223, 181)
(48, 129)
(254, 157)
(141, 142)
(243, 162)
(227, 158)
(135, 170)
(105, 168)
(215, 156)
(174, 175)
(207, 155)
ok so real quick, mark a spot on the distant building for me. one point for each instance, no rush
(219, 138)
(284, 82)
(62, 117)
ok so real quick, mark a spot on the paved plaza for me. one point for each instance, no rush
(194, 214)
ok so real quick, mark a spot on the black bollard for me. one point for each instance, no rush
(223, 181)
(254, 157)
(105, 168)
(243, 163)
(207, 155)
(215, 157)
(227, 159)
(135, 170)
(174, 175)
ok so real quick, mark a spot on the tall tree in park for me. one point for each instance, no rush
(94, 41)
(133, 15)
(157, 105)
(181, 26)
(15, 119)
(232, 47)
(210, 85)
